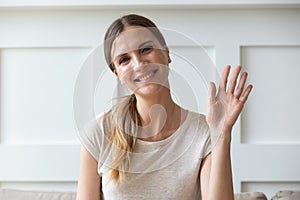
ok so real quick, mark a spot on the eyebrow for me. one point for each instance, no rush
(142, 44)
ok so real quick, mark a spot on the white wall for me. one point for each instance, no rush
(43, 51)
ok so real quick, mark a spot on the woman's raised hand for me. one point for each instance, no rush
(224, 107)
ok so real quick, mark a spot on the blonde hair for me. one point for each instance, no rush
(123, 119)
(121, 124)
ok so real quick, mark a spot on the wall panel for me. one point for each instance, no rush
(37, 92)
(276, 81)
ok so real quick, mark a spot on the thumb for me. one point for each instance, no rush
(212, 93)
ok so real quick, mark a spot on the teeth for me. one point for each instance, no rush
(146, 77)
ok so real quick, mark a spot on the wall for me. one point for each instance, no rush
(44, 50)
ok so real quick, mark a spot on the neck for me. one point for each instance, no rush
(155, 102)
(159, 114)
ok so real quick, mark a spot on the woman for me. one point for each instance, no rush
(147, 146)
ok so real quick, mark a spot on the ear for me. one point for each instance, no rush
(116, 73)
(168, 54)
(120, 79)
(169, 59)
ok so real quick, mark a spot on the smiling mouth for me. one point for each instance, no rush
(146, 77)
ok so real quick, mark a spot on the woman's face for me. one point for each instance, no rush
(141, 62)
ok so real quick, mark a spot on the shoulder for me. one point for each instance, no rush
(94, 125)
(92, 136)
(198, 120)
(201, 131)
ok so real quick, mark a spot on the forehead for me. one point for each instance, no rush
(131, 39)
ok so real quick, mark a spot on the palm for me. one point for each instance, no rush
(224, 107)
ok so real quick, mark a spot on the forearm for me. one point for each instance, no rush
(220, 180)
(89, 184)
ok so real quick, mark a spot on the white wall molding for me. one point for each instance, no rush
(39, 162)
(144, 4)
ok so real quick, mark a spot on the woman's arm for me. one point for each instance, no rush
(223, 107)
(89, 184)
(216, 174)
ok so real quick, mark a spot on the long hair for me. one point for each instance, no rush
(123, 119)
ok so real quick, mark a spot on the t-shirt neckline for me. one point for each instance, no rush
(169, 138)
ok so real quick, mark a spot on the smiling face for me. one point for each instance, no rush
(140, 61)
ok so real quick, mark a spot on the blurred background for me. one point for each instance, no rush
(46, 46)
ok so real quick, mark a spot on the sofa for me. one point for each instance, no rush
(13, 194)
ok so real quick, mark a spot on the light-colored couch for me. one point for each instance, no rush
(11, 194)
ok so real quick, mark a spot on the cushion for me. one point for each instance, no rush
(12, 194)
(250, 196)
(9, 194)
(287, 195)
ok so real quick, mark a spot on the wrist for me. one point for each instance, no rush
(227, 129)
(226, 136)
(223, 137)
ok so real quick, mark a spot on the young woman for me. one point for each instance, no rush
(147, 146)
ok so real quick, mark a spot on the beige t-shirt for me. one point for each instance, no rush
(166, 169)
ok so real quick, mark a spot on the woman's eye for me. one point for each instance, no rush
(146, 49)
(123, 60)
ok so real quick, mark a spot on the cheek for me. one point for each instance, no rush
(124, 73)
(161, 57)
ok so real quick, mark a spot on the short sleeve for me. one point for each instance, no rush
(207, 143)
(91, 137)
(205, 137)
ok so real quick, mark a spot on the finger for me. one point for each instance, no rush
(233, 79)
(244, 97)
(225, 74)
(212, 93)
(241, 85)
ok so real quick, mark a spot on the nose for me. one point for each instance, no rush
(139, 61)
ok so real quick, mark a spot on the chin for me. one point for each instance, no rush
(150, 90)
